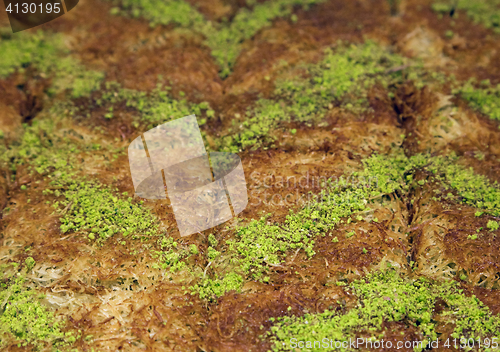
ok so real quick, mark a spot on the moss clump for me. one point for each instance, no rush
(347, 72)
(485, 12)
(382, 297)
(40, 148)
(260, 244)
(484, 98)
(386, 297)
(47, 54)
(193, 249)
(70, 74)
(23, 49)
(492, 225)
(23, 318)
(343, 78)
(85, 205)
(471, 317)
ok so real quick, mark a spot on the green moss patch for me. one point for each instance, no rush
(23, 49)
(172, 254)
(386, 297)
(40, 148)
(100, 212)
(70, 74)
(208, 288)
(85, 205)
(95, 210)
(485, 12)
(260, 243)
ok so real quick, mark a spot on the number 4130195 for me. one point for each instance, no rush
(32, 8)
(470, 343)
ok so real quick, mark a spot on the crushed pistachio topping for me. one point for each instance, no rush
(485, 12)
(262, 244)
(23, 317)
(483, 97)
(155, 107)
(343, 79)
(224, 39)
(386, 297)
(46, 53)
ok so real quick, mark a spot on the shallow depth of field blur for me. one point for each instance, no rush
(369, 135)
